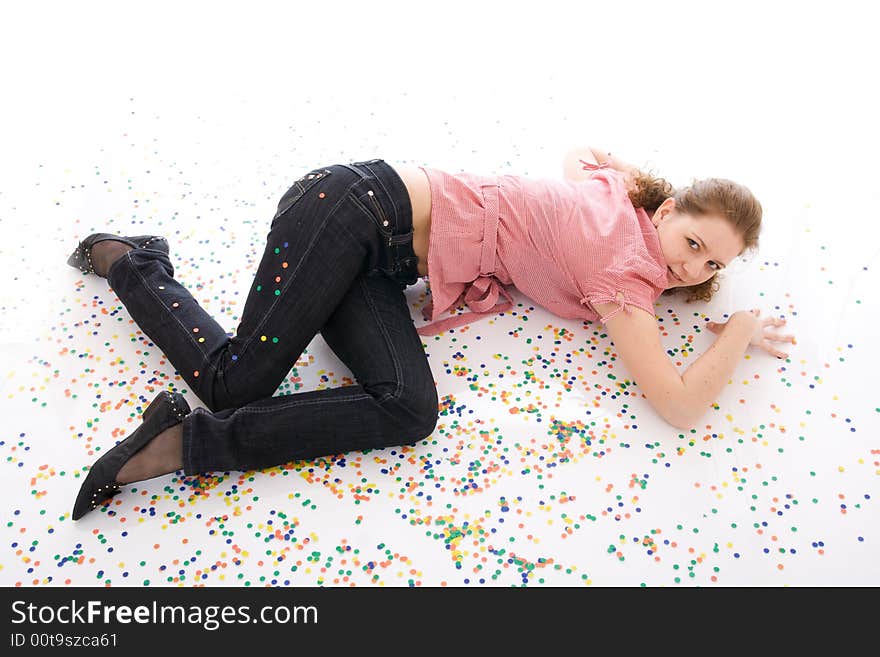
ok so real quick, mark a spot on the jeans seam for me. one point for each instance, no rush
(284, 289)
(397, 369)
(189, 451)
(375, 177)
(292, 277)
(205, 359)
(298, 402)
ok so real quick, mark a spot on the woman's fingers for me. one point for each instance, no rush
(757, 313)
(774, 321)
(776, 337)
(715, 327)
(773, 350)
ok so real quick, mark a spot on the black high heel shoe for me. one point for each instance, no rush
(166, 410)
(81, 258)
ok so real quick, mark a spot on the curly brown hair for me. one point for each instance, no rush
(715, 196)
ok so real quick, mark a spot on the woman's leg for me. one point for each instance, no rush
(394, 401)
(315, 249)
(332, 226)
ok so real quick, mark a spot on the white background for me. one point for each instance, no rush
(190, 119)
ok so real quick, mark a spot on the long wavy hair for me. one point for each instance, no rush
(715, 196)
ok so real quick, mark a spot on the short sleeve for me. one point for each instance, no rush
(624, 294)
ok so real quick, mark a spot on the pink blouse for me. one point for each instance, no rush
(565, 245)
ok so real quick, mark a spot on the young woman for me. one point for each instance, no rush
(344, 243)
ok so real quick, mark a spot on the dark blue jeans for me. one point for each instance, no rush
(338, 257)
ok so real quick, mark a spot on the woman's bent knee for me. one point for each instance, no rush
(423, 414)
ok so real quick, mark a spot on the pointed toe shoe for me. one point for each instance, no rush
(81, 258)
(166, 410)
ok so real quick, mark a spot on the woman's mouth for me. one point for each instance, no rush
(673, 274)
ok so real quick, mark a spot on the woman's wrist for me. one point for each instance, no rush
(743, 320)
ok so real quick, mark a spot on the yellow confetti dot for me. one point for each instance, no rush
(201, 339)
(840, 468)
(263, 338)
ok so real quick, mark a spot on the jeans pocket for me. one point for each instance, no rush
(299, 188)
(369, 205)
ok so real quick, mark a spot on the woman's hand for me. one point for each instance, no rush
(759, 337)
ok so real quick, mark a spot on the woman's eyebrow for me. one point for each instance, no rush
(704, 246)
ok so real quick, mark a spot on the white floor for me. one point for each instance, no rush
(190, 120)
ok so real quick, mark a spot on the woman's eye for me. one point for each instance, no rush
(715, 265)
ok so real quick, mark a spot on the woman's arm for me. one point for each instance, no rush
(706, 376)
(573, 167)
(614, 162)
(637, 342)
(682, 400)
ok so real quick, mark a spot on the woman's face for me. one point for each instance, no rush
(694, 248)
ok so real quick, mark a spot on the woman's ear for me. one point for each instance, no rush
(663, 211)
